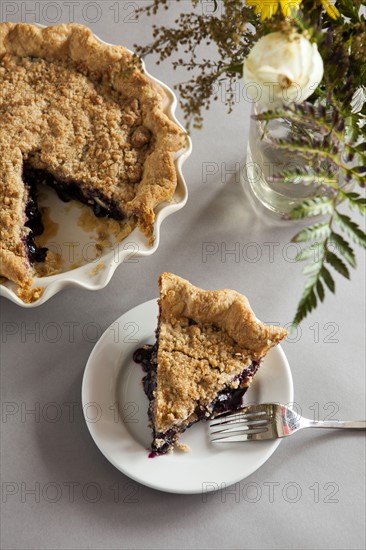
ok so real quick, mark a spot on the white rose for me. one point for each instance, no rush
(282, 69)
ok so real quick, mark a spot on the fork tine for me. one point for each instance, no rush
(238, 426)
(240, 429)
(237, 417)
(239, 421)
(239, 435)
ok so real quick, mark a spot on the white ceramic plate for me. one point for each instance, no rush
(115, 410)
(76, 244)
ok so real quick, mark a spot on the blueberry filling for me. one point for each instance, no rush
(146, 357)
(66, 190)
(228, 399)
(72, 190)
(35, 225)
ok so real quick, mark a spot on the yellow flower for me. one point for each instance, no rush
(267, 8)
(330, 9)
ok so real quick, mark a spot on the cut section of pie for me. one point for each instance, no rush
(81, 116)
(209, 345)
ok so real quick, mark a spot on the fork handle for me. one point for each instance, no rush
(355, 424)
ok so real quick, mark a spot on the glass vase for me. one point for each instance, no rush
(269, 193)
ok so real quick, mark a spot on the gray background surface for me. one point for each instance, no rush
(327, 358)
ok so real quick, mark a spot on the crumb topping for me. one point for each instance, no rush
(206, 339)
(195, 362)
(81, 111)
(80, 132)
(66, 124)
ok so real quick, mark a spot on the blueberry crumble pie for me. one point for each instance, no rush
(209, 345)
(82, 117)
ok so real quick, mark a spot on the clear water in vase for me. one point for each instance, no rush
(264, 162)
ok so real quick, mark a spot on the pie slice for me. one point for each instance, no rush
(81, 116)
(209, 345)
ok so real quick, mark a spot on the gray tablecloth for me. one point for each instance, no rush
(310, 494)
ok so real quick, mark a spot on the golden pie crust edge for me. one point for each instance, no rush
(227, 309)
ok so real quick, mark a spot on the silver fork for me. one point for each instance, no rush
(268, 421)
